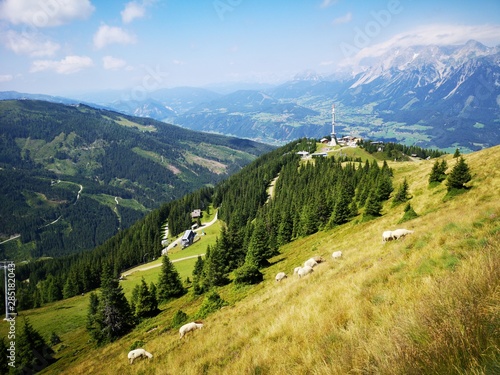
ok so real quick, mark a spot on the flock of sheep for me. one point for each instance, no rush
(307, 268)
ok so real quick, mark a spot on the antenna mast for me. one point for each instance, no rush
(333, 142)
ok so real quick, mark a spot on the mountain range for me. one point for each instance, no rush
(433, 96)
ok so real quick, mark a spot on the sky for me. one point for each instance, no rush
(64, 47)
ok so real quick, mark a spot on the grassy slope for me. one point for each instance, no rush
(408, 306)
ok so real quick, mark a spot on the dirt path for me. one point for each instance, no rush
(270, 191)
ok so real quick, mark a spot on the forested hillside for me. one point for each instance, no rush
(385, 307)
(311, 195)
(73, 176)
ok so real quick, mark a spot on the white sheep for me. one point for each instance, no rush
(305, 270)
(280, 276)
(137, 353)
(310, 262)
(336, 254)
(387, 236)
(189, 327)
(398, 233)
(319, 259)
(296, 270)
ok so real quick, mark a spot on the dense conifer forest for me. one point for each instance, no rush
(73, 176)
(310, 195)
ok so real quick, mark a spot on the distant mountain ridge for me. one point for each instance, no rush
(430, 95)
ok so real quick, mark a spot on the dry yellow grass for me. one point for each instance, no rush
(426, 304)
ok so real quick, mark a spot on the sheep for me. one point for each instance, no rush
(319, 259)
(280, 276)
(305, 270)
(189, 327)
(296, 270)
(311, 263)
(336, 254)
(398, 233)
(137, 353)
(387, 236)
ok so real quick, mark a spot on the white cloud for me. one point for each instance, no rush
(109, 35)
(327, 3)
(6, 77)
(430, 35)
(44, 13)
(110, 62)
(326, 63)
(344, 19)
(132, 11)
(26, 43)
(177, 62)
(68, 65)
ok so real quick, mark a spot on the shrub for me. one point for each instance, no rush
(211, 303)
(179, 318)
(248, 274)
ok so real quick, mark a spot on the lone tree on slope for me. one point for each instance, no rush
(459, 175)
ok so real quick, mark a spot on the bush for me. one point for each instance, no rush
(179, 318)
(248, 274)
(212, 302)
(409, 214)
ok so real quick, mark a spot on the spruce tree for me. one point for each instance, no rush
(438, 172)
(147, 304)
(197, 275)
(215, 267)
(32, 352)
(169, 283)
(94, 323)
(402, 193)
(115, 315)
(341, 211)
(456, 154)
(258, 248)
(373, 205)
(459, 175)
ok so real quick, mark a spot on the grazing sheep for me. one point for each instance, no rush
(336, 254)
(319, 259)
(189, 327)
(305, 270)
(296, 270)
(137, 353)
(311, 263)
(280, 276)
(387, 236)
(398, 233)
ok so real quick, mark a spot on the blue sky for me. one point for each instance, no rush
(70, 46)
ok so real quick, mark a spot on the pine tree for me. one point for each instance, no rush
(373, 205)
(70, 287)
(94, 323)
(402, 193)
(169, 283)
(113, 316)
(341, 211)
(147, 304)
(384, 187)
(215, 267)
(258, 248)
(197, 275)
(456, 154)
(459, 175)
(438, 172)
(32, 351)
